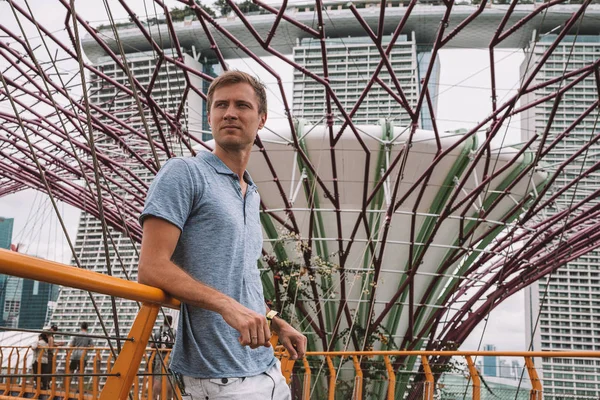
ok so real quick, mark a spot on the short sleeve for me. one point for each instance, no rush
(171, 194)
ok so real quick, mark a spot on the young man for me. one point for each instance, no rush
(201, 241)
(80, 342)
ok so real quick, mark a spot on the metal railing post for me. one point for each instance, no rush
(152, 372)
(53, 372)
(391, 378)
(536, 384)
(306, 383)
(80, 379)
(332, 378)
(97, 361)
(9, 379)
(24, 380)
(67, 380)
(429, 381)
(358, 379)
(474, 377)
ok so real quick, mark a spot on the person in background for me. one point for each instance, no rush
(52, 343)
(163, 339)
(80, 342)
(40, 359)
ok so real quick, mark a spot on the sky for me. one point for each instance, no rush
(465, 75)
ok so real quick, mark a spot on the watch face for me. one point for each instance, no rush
(271, 314)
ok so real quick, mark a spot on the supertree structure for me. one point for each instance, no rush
(376, 235)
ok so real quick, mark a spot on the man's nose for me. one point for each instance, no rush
(230, 113)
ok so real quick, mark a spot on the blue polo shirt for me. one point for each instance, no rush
(220, 243)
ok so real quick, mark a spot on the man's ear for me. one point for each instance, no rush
(263, 120)
(208, 118)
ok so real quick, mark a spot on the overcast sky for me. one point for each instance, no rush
(464, 99)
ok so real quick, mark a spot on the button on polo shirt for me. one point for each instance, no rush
(220, 243)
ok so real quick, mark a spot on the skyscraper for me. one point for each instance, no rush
(17, 292)
(490, 363)
(351, 62)
(9, 303)
(6, 229)
(563, 310)
(74, 306)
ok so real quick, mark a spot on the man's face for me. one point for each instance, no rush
(234, 116)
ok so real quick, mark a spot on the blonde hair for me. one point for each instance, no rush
(233, 77)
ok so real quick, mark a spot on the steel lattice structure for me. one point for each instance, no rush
(439, 229)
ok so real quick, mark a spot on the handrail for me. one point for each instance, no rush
(427, 353)
(462, 353)
(142, 384)
(18, 375)
(24, 266)
(125, 368)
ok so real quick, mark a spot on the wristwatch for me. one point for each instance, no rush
(270, 315)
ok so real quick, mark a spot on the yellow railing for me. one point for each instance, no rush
(124, 376)
(120, 380)
(19, 379)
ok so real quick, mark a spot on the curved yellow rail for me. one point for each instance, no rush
(121, 377)
(16, 264)
(124, 370)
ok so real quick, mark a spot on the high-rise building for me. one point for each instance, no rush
(563, 309)
(36, 295)
(75, 306)
(515, 369)
(490, 363)
(16, 292)
(8, 307)
(351, 63)
(6, 229)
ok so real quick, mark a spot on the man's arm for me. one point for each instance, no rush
(156, 269)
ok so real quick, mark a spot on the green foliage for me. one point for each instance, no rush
(179, 14)
(208, 10)
(295, 276)
(246, 6)
(223, 7)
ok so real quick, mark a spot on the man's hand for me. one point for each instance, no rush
(293, 341)
(252, 326)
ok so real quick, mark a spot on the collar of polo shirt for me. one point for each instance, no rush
(219, 166)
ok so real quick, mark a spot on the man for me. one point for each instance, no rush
(163, 339)
(80, 342)
(201, 241)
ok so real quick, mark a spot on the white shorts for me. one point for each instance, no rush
(268, 385)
